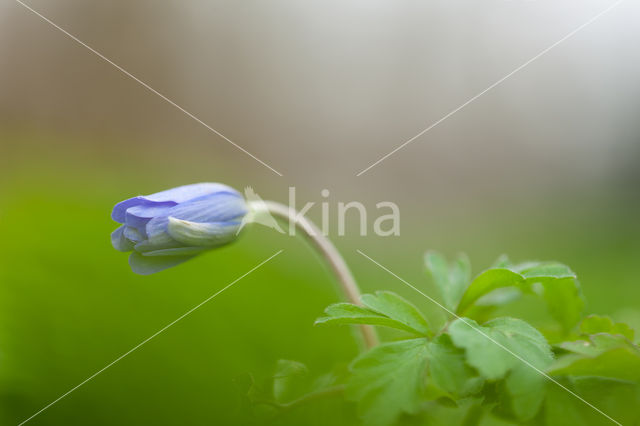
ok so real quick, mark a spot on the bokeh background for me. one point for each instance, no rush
(544, 166)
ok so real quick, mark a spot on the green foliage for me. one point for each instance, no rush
(289, 381)
(501, 368)
(554, 282)
(384, 308)
(451, 281)
(448, 369)
(295, 396)
(487, 282)
(593, 324)
(602, 355)
(616, 398)
(499, 345)
(397, 308)
(388, 380)
(507, 348)
(69, 305)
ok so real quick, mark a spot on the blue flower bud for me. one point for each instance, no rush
(170, 227)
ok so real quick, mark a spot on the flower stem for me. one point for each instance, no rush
(330, 255)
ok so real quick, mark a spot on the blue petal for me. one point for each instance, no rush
(146, 265)
(119, 209)
(188, 192)
(211, 208)
(179, 251)
(159, 241)
(211, 234)
(133, 235)
(138, 216)
(219, 207)
(171, 197)
(119, 241)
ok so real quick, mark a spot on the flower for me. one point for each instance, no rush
(172, 226)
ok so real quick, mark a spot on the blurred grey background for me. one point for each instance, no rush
(320, 90)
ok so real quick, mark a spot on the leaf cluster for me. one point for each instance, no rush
(477, 366)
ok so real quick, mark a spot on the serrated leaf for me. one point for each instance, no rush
(482, 310)
(582, 347)
(451, 281)
(544, 270)
(526, 389)
(388, 380)
(564, 300)
(507, 348)
(555, 282)
(596, 344)
(603, 355)
(448, 369)
(620, 363)
(623, 330)
(384, 309)
(439, 269)
(560, 290)
(493, 349)
(486, 282)
(600, 324)
(346, 313)
(499, 297)
(459, 278)
(395, 307)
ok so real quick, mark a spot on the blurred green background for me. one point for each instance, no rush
(69, 304)
(545, 167)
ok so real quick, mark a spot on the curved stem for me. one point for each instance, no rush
(330, 255)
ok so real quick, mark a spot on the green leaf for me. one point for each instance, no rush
(526, 389)
(459, 278)
(448, 369)
(493, 349)
(388, 380)
(596, 344)
(560, 407)
(438, 268)
(507, 348)
(555, 282)
(451, 281)
(544, 270)
(488, 281)
(290, 380)
(616, 398)
(384, 309)
(600, 324)
(564, 300)
(395, 307)
(603, 355)
(483, 309)
(465, 412)
(346, 313)
(620, 363)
